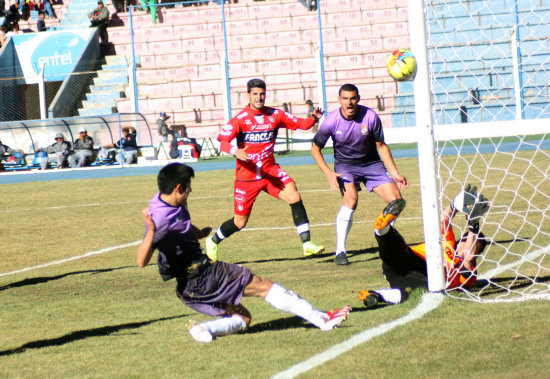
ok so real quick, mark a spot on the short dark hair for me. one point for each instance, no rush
(255, 83)
(173, 174)
(348, 87)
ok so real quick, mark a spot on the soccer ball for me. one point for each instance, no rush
(401, 65)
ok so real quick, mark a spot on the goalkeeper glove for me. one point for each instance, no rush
(464, 201)
(479, 209)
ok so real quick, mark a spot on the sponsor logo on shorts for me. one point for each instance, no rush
(240, 191)
(240, 207)
(239, 198)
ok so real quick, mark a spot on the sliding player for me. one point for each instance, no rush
(405, 266)
(250, 137)
(211, 288)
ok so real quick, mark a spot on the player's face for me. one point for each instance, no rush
(349, 103)
(183, 194)
(256, 97)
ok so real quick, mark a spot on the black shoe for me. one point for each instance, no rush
(341, 259)
(369, 298)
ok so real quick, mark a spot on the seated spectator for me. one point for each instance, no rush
(24, 8)
(14, 30)
(13, 14)
(3, 30)
(6, 153)
(128, 144)
(99, 18)
(83, 149)
(48, 9)
(41, 25)
(183, 146)
(57, 151)
(163, 129)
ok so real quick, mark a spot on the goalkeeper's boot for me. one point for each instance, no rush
(341, 259)
(312, 249)
(199, 333)
(211, 249)
(389, 214)
(369, 298)
(335, 318)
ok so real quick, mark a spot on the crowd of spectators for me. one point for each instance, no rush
(23, 10)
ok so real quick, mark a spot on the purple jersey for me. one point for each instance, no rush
(175, 238)
(354, 140)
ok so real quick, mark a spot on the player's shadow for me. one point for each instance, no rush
(45, 279)
(322, 258)
(83, 334)
(279, 324)
(353, 256)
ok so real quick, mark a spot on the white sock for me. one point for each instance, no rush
(288, 301)
(392, 295)
(224, 326)
(344, 222)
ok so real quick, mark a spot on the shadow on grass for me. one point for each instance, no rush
(279, 324)
(44, 279)
(495, 286)
(83, 334)
(325, 257)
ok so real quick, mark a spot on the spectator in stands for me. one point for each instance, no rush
(35, 5)
(58, 151)
(48, 9)
(3, 30)
(2, 7)
(13, 14)
(6, 152)
(99, 18)
(14, 30)
(150, 9)
(41, 25)
(128, 144)
(24, 9)
(163, 129)
(83, 149)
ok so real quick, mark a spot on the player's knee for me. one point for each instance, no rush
(240, 311)
(240, 222)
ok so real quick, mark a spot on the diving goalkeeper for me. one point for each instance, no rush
(405, 266)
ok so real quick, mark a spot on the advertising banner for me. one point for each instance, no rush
(57, 51)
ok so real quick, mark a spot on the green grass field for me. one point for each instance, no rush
(102, 316)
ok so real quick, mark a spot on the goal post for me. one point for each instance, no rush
(482, 110)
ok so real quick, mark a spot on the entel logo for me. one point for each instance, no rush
(56, 54)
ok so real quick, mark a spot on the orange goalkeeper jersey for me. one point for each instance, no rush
(454, 265)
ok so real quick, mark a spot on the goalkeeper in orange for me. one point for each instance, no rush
(405, 266)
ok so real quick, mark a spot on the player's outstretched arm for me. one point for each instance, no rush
(387, 158)
(332, 176)
(145, 249)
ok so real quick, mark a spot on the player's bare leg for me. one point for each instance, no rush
(344, 221)
(291, 195)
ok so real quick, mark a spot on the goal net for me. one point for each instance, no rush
(488, 69)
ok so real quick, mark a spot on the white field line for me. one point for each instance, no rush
(429, 302)
(74, 258)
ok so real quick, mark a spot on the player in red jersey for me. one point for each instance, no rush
(250, 137)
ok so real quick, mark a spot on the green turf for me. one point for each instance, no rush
(102, 316)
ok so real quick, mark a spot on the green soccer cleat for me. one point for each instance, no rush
(211, 249)
(312, 249)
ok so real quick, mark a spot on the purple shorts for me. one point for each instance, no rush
(372, 174)
(219, 285)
